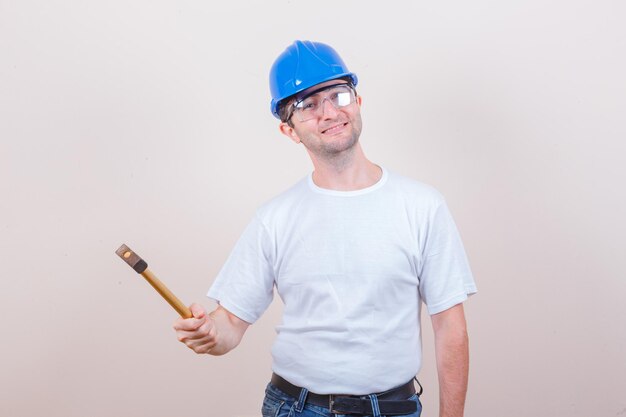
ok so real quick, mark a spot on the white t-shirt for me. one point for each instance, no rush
(352, 269)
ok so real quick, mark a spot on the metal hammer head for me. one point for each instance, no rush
(132, 259)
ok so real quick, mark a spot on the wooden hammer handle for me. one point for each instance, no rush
(141, 267)
(167, 294)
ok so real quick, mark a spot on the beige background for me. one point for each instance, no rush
(147, 122)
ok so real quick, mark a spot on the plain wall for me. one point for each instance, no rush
(147, 123)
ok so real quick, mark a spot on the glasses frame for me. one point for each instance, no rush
(294, 106)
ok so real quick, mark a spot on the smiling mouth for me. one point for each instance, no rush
(334, 128)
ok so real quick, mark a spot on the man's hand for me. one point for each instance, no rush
(216, 333)
(197, 332)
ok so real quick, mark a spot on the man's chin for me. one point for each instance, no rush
(339, 146)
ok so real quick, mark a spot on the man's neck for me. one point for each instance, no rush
(350, 174)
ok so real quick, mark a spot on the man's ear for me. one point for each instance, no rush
(289, 131)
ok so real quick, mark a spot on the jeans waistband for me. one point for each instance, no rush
(391, 402)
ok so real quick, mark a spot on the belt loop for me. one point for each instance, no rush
(301, 400)
(375, 407)
(419, 394)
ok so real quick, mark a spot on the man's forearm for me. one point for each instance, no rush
(452, 351)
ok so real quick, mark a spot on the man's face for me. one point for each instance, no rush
(333, 129)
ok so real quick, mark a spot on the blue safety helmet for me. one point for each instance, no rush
(302, 65)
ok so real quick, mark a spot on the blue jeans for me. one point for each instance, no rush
(279, 404)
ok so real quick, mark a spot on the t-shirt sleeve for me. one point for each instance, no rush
(245, 284)
(445, 276)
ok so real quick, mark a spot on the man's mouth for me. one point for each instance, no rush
(334, 128)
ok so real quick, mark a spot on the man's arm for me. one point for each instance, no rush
(216, 333)
(452, 352)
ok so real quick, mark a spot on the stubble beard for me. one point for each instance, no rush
(339, 151)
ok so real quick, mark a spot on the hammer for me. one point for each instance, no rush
(141, 267)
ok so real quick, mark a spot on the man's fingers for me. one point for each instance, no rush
(190, 325)
(198, 332)
(194, 329)
(205, 348)
(192, 337)
(199, 341)
(199, 318)
(197, 311)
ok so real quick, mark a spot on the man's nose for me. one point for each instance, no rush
(328, 109)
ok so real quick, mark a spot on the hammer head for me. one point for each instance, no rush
(132, 259)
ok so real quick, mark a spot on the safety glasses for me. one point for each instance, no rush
(312, 106)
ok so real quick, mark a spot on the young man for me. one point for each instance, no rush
(352, 250)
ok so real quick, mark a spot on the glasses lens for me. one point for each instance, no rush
(342, 99)
(311, 107)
